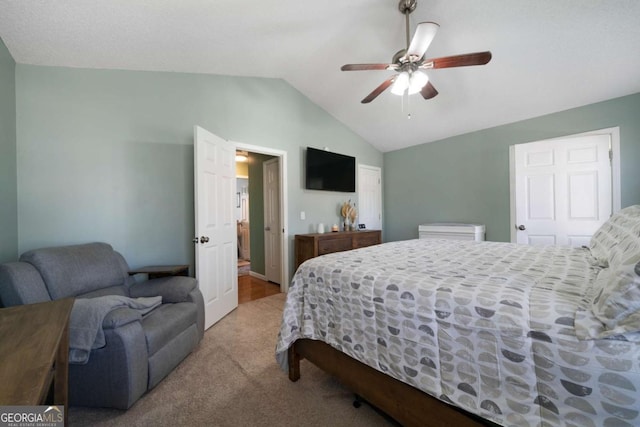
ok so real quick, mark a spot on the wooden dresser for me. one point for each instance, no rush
(34, 351)
(312, 245)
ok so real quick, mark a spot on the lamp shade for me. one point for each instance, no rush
(417, 81)
(400, 84)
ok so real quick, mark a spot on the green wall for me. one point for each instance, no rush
(8, 177)
(466, 178)
(108, 155)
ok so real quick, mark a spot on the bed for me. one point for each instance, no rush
(444, 332)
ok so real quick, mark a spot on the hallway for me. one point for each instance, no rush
(251, 288)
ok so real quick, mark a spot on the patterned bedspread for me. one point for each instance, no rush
(486, 326)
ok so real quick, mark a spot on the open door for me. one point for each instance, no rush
(215, 225)
(272, 227)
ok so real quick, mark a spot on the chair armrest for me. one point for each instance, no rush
(172, 289)
(120, 317)
(21, 283)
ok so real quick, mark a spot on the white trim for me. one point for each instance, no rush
(260, 276)
(284, 207)
(616, 198)
(512, 193)
(615, 167)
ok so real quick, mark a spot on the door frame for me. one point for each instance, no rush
(614, 134)
(284, 220)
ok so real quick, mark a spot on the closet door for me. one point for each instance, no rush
(563, 189)
(370, 197)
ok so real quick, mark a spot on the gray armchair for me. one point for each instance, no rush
(140, 350)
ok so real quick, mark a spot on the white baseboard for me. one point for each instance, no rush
(258, 275)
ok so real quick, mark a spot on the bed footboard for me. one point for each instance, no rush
(405, 404)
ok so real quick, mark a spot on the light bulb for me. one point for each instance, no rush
(417, 81)
(400, 84)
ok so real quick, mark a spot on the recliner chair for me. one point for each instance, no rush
(140, 350)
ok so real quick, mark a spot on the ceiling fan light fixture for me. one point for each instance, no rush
(409, 62)
(400, 84)
(417, 81)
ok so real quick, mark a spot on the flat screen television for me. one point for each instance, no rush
(330, 171)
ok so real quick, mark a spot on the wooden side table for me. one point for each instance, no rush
(155, 271)
(34, 354)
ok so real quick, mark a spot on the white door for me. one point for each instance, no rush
(370, 197)
(563, 189)
(215, 225)
(272, 227)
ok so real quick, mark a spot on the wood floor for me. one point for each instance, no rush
(251, 288)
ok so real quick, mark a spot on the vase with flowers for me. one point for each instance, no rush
(348, 212)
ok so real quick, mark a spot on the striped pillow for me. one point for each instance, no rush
(617, 304)
(618, 239)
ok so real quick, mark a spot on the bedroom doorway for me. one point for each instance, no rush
(268, 212)
(215, 225)
(563, 189)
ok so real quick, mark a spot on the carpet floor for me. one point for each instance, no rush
(232, 379)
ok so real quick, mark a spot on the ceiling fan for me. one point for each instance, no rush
(410, 62)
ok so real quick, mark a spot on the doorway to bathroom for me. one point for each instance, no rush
(259, 221)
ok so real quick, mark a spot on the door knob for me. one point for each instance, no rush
(195, 240)
(267, 229)
(204, 239)
(521, 227)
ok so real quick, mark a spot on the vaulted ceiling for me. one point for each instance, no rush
(548, 55)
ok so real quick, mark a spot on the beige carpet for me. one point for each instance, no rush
(232, 379)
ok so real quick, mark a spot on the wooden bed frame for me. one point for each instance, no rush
(404, 403)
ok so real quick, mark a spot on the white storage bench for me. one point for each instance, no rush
(450, 230)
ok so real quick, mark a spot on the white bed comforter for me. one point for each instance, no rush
(482, 325)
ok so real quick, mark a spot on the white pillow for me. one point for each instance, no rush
(618, 238)
(617, 303)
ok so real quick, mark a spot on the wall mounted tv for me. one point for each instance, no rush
(330, 171)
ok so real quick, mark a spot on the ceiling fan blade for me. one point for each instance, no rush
(361, 67)
(428, 91)
(422, 38)
(478, 58)
(377, 91)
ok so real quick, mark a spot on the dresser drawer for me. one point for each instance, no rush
(327, 246)
(364, 240)
(314, 244)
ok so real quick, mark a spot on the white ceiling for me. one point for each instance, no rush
(548, 55)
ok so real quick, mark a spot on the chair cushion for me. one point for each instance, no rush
(78, 269)
(167, 322)
(111, 290)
